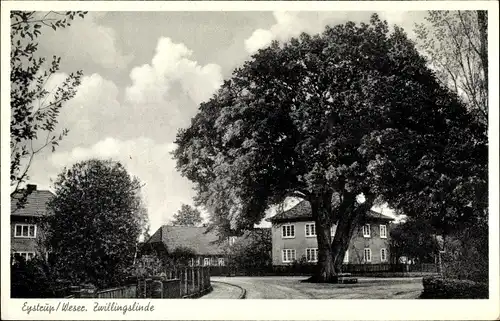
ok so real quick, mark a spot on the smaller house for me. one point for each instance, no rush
(26, 221)
(203, 242)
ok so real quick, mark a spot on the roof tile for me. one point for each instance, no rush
(302, 211)
(36, 204)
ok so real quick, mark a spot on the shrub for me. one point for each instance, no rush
(466, 255)
(439, 288)
(35, 279)
(146, 266)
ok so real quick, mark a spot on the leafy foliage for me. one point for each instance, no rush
(415, 239)
(180, 256)
(35, 278)
(98, 219)
(466, 253)
(34, 109)
(354, 110)
(456, 43)
(147, 266)
(187, 216)
(252, 252)
(438, 288)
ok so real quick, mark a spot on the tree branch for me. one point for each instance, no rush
(467, 34)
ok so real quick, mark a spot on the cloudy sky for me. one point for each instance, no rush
(145, 75)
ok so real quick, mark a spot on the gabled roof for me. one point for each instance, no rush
(302, 212)
(36, 203)
(201, 240)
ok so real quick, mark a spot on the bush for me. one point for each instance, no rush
(439, 288)
(35, 279)
(146, 266)
(466, 255)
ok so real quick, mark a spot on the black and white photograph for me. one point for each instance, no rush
(204, 153)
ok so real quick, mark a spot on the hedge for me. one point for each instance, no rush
(439, 288)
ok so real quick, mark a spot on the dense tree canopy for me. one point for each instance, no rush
(34, 110)
(187, 216)
(354, 110)
(416, 240)
(98, 219)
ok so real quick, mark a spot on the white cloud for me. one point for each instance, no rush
(92, 110)
(164, 191)
(86, 40)
(292, 24)
(172, 70)
(260, 39)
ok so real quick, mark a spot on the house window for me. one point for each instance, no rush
(383, 255)
(26, 255)
(311, 230)
(367, 255)
(288, 231)
(199, 261)
(312, 255)
(383, 231)
(346, 256)
(288, 255)
(206, 261)
(366, 230)
(221, 261)
(25, 230)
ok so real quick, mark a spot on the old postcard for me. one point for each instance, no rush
(250, 160)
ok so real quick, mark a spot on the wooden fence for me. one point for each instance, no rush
(309, 269)
(123, 292)
(187, 282)
(362, 269)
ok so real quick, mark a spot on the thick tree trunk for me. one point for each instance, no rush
(321, 208)
(331, 254)
(326, 268)
(348, 220)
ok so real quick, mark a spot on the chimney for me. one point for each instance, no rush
(31, 187)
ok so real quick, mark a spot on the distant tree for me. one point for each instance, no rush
(252, 251)
(98, 219)
(416, 240)
(187, 216)
(34, 108)
(456, 43)
(326, 118)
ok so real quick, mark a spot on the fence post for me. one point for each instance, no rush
(186, 280)
(75, 291)
(149, 288)
(198, 280)
(88, 291)
(193, 287)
